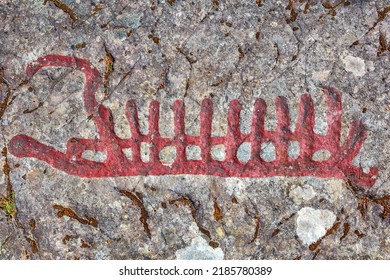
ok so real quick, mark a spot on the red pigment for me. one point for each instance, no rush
(339, 165)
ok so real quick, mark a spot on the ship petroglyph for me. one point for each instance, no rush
(339, 164)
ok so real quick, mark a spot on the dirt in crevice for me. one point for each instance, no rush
(137, 199)
(28, 111)
(64, 211)
(257, 220)
(67, 238)
(8, 206)
(65, 8)
(383, 46)
(85, 244)
(381, 17)
(365, 198)
(188, 202)
(109, 61)
(257, 229)
(346, 230)
(332, 8)
(217, 211)
(8, 94)
(293, 12)
(285, 219)
(330, 231)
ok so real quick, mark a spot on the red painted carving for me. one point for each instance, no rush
(339, 165)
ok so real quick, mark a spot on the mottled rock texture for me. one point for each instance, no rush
(191, 50)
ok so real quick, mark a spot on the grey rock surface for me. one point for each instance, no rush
(199, 250)
(192, 50)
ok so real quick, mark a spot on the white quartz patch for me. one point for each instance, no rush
(199, 250)
(355, 65)
(312, 224)
(302, 194)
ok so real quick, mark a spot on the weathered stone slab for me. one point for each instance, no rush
(194, 129)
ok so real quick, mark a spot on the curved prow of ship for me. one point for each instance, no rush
(72, 161)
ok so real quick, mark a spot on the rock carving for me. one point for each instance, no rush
(339, 165)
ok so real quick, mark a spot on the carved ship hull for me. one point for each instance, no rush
(339, 165)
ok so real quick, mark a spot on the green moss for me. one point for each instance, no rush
(7, 204)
